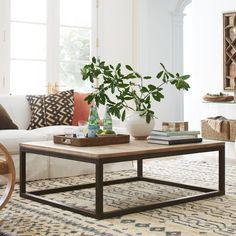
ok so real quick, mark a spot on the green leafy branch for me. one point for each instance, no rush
(128, 87)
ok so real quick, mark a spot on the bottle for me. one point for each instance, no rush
(92, 125)
(107, 121)
(96, 118)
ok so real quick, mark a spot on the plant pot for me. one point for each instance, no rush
(138, 127)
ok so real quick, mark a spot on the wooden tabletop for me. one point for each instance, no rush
(136, 147)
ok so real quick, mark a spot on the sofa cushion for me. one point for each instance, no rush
(18, 108)
(81, 108)
(53, 109)
(50, 131)
(6, 121)
(12, 138)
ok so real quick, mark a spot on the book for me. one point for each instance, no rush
(173, 133)
(159, 137)
(173, 142)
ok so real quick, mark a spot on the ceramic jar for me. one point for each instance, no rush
(137, 126)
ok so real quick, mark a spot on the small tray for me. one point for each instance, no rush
(87, 142)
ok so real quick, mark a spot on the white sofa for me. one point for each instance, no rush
(40, 168)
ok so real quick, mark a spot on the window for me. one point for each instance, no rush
(75, 40)
(50, 40)
(28, 46)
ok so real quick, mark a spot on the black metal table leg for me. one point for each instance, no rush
(99, 190)
(222, 170)
(140, 168)
(22, 172)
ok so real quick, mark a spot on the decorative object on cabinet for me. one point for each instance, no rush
(229, 50)
(221, 97)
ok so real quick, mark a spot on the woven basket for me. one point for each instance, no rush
(228, 131)
(209, 133)
(232, 130)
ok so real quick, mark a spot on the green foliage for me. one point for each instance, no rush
(128, 87)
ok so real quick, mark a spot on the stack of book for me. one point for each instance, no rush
(174, 137)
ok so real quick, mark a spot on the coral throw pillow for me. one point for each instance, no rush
(81, 108)
(53, 109)
(5, 120)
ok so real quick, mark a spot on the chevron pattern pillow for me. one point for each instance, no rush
(36, 103)
(53, 109)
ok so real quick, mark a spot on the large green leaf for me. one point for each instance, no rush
(123, 115)
(148, 118)
(94, 60)
(144, 90)
(160, 74)
(152, 87)
(118, 66)
(129, 68)
(147, 77)
(157, 96)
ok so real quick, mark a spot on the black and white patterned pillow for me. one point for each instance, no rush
(37, 108)
(53, 109)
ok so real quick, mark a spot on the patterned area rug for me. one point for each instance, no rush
(214, 216)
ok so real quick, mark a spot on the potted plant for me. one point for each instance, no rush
(131, 91)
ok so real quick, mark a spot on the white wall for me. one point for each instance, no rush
(207, 73)
(115, 31)
(115, 34)
(154, 46)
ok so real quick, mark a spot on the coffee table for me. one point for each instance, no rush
(133, 151)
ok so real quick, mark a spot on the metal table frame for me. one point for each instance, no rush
(99, 213)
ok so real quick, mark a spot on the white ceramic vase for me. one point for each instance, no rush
(137, 126)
